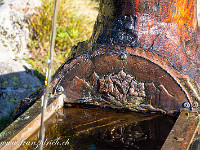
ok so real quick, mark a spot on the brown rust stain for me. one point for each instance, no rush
(150, 72)
(183, 81)
(144, 66)
(82, 69)
(105, 64)
(183, 132)
(183, 15)
(76, 89)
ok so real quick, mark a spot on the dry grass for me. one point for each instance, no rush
(75, 24)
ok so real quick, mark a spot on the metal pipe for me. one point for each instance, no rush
(44, 98)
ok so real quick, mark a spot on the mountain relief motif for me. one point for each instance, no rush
(119, 90)
(122, 89)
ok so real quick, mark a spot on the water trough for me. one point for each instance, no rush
(143, 57)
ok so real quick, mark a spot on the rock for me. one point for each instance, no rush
(16, 76)
(15, 84)
(14, 27)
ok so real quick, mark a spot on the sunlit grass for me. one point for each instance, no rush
(75, 24)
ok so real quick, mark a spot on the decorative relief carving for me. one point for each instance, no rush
(119, 90)
(122, 89)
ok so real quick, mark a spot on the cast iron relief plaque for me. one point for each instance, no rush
(138, 81)
(161, 70)
(133, 83)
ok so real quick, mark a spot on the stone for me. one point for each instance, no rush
(17, 80)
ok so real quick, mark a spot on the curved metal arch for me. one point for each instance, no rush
(184, 82)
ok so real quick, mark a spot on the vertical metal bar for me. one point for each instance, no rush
(44, 98)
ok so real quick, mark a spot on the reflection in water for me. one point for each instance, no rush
(195, 145)
(81, 128)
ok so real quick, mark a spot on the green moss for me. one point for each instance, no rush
(12, 100)
(5, 83)
(29, 85)
(15, 78)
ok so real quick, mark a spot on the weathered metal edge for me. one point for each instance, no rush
(184, 81)
(22, 128)
(183, 132)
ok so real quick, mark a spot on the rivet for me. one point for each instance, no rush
(59, 89)
(186, 105)
(25, 117)
(123, 56)
(195, 104)
(179, 139)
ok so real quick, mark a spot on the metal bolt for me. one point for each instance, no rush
(179, 139)
(59, 89)
(50, 95)
(186, 105)
(68, 105)
(123, 56)
(195, 104)
(25, 117)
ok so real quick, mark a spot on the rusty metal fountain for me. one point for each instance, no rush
(143, 56)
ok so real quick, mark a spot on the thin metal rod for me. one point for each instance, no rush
(44, 98)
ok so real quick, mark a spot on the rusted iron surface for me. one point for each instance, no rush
(165, 88)
(153, 42)
(195, 145)
(160, 90)
(167, 36)
(183, 132)
(167, 28)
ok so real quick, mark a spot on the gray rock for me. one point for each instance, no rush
(16, 82)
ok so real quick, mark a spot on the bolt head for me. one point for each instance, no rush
(25, 117)
(59, 89)
(186, 105)
(195, 104)
(123, 56)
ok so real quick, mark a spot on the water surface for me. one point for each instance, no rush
(101, 129)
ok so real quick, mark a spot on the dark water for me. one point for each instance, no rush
(195, 145)
(83, 129)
